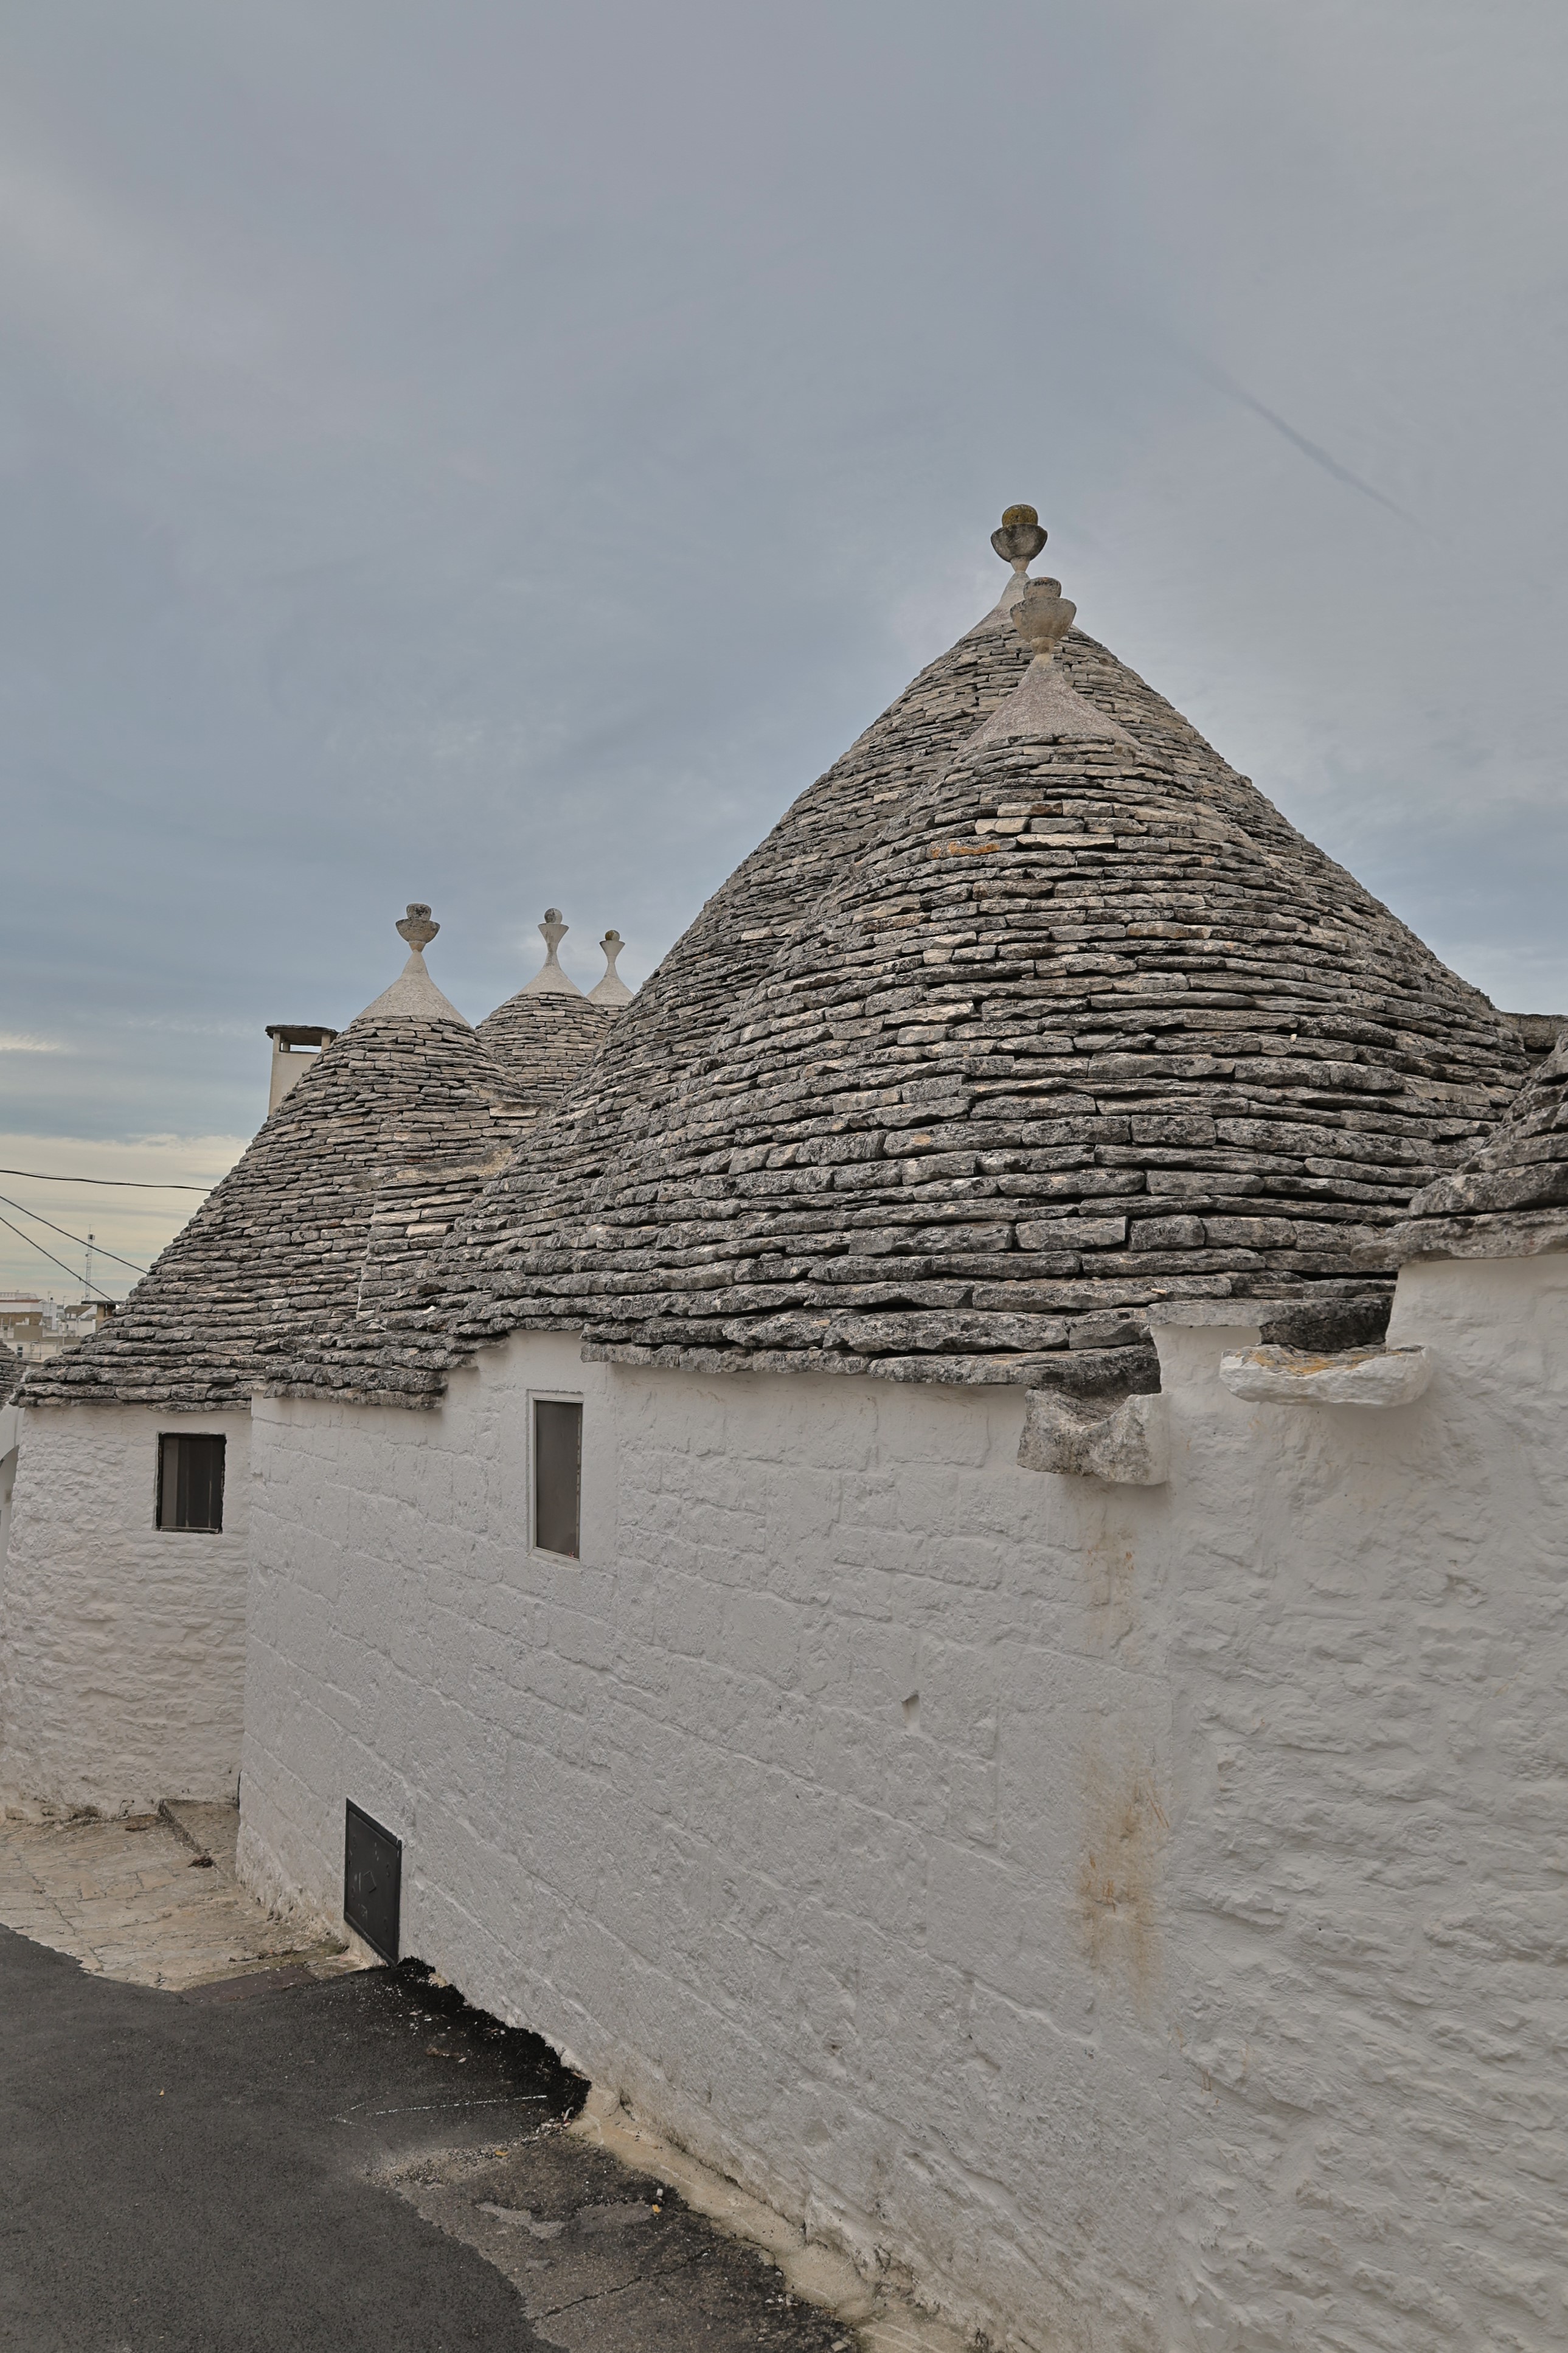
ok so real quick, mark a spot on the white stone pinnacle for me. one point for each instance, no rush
(1043, 706)
(612, 989)
(413, 995)
(550, 980)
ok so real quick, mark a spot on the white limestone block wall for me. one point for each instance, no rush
(1367, 1884)
(122, 1645)
(1139, 1911)
(10, 1441)
(776, 1810)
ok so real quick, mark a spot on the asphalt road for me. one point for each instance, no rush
(196, 2174)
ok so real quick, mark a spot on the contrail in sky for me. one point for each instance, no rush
(1227, 385)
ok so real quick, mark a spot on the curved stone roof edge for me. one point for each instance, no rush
(1502, 1234)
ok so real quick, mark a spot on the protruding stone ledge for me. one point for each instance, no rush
(1127, 1444)
(1520, 1234)
(1380, 1377)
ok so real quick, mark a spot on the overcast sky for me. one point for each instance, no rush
(496, 454)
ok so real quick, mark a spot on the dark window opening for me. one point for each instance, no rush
(190, 1482)
(557, 1475)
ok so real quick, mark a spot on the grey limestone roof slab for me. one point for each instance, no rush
(543, 1035)
(1509, 1198)
(355, 1178)
(1014, 1022)
(543, 1041)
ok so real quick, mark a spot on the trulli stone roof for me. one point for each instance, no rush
(1510, 1198)
(1031, 1013)
(544, 1035)
(361, 1172)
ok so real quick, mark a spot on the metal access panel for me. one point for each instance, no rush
(373, 1880)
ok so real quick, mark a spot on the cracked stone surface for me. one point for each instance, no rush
(1129, 1444)
(606, 2261)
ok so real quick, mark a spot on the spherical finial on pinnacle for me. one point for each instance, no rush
(1020, 539)
(416, 927)
(1043, 617)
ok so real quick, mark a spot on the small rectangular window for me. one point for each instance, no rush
(190, 1482)
(557, 1475)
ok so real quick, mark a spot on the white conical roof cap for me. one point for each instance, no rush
(413, 995)
(550, 978)
(612, 989)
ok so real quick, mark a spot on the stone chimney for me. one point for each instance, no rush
(295, 1046)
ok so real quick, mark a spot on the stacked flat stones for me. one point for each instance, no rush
(538, 1205)
(1509, 1198)
(999, 1039)
(544, 1035)
(542, 1043)
(357, 1179)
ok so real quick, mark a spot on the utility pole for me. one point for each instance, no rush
(90, 1261)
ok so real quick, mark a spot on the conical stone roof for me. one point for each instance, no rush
(1004, 1034)
(544, 1035)
(1510, 1198)
(361, 1172)
(719, 957)
(999, 1038)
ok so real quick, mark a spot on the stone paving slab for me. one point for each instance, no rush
(150, 1900)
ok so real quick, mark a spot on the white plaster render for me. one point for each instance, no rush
(819, 1807)
(1367, 1923)
(122, 1645)
(413, 995)
(1374, 1377)
(1141, 1912)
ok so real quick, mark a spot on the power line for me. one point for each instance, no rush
(21, 1237)
(88, 1244)
(127, 1184)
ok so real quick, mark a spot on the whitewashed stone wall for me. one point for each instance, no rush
(121, 1646)
(772, 1811)
(1367, 1884)
(10, 1436)
(1138, 1911)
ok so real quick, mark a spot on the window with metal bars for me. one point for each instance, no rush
(190, 1482)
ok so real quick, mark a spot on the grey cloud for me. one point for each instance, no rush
(499, 454)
